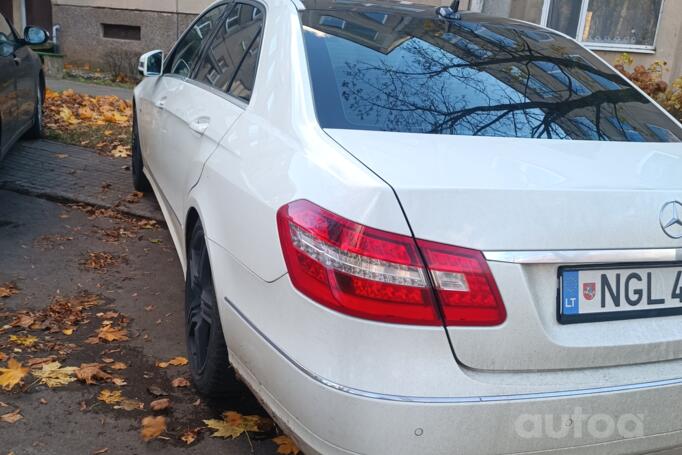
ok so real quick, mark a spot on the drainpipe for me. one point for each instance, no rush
(56, 32)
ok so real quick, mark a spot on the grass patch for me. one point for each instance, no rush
(102, 138)
(98, 81)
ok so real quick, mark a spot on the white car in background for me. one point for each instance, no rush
(415, 231)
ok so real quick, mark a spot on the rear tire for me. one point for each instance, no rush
(208, 359)
(140, 181)
(36, 130)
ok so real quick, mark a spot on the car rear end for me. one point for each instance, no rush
(534, 301)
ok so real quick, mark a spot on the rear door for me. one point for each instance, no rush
(171, 85)
(209, 101)
(8, 77)
(27, 84)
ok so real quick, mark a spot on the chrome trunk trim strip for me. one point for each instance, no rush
(585, 256)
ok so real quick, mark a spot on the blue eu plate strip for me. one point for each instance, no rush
(570, 301)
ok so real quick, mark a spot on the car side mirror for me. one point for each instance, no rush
(6, 49)
(151, 63)
(35, 35)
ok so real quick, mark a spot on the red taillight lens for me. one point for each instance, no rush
(354, 269)
(373, 274)
(465, 287)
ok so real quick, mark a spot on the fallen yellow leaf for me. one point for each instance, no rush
(27, 341)
(234, 424)
(223, 429)
(8, 290)
(67, 115)
(11, 417)
(90, 373)
(160, 404)
(110, 333)
(110, 396)
(85, 113)
(286, 445)
(122, 151)
(190, 436)
(176, 361)
(12, 375)
(152, 427)
(180, 382)
(54, 375)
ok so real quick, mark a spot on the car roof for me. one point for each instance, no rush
(384, 25)
(406, 9)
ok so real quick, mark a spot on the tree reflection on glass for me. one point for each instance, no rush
(470, 78)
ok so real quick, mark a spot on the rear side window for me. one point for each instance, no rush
(476, 76)
(229, 64)
(186, 52)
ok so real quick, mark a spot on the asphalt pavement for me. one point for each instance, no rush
(47, 243)
(59, 85)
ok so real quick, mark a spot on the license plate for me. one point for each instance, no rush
(591, 294)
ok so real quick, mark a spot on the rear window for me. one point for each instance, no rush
(387, 71)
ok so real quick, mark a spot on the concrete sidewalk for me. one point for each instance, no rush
(59, 85)
(65, 172)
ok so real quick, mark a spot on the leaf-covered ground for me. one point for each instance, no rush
(103, 123)
(91, 351)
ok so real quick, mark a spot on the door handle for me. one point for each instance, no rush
(200, 125)
(17, 61)
(161, 104)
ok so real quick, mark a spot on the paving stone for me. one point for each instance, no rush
(65, 172)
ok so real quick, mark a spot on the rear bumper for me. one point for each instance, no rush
(329, 418)
(343, 385)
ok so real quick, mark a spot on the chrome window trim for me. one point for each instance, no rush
(448, 400)
(261, 33)
(232, 99)
(585, 256)
(200, 16)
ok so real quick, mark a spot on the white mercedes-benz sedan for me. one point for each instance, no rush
(415, 231)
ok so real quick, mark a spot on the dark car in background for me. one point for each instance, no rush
(22, 84)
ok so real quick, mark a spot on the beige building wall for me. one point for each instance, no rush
(163, 18)
(17, 11)
(160, 22)
(166, 6)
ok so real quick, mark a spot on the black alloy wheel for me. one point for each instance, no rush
(209, 364)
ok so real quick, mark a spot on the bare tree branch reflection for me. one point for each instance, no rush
(470, 77)
(421, 85)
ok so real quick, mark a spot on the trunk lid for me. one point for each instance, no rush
(510, 195)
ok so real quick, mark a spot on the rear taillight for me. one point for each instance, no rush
(373, 274)
(465, 287)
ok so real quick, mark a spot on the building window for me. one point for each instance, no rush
(618, 23)
(599, 24)
(119, 31)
